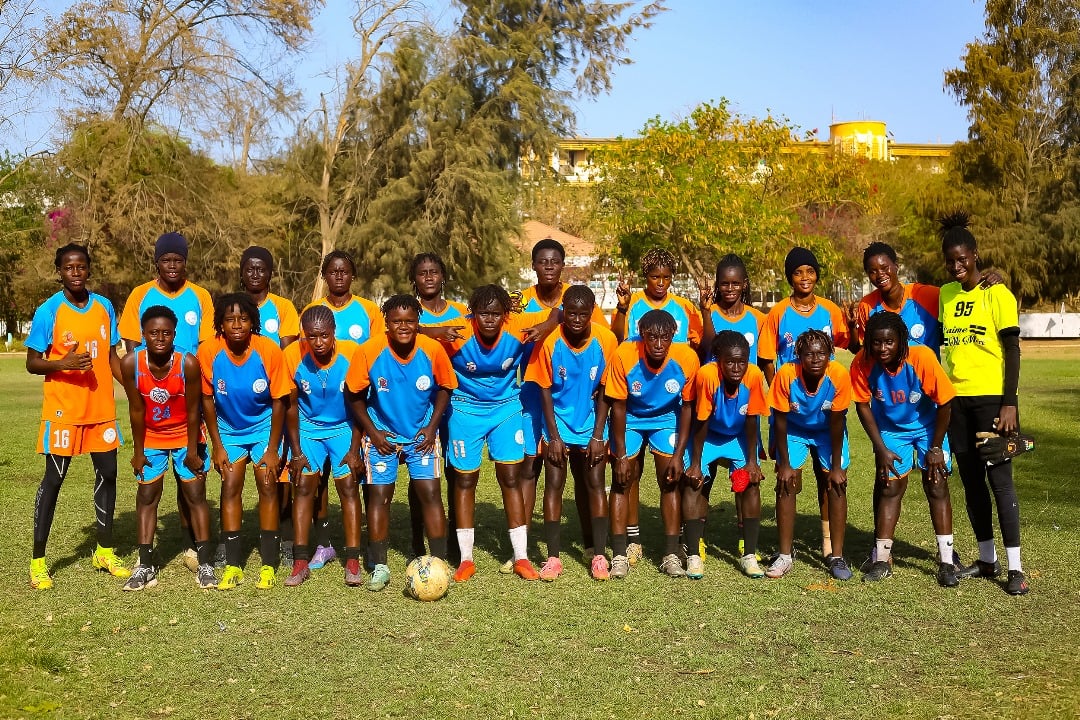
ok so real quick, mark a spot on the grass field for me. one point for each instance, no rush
(498, 647)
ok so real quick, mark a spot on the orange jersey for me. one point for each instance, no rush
(278, 318)
(905, 400)
(164, 401)
(193, 307)
(807, 411)
(358, 320)
(453, 314)
(784, 324)
(76, 397)
(688, 323)
(918, 308)
(712, 398)
(651, 393)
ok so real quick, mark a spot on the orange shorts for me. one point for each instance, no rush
(67, 440)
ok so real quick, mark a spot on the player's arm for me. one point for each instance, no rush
(537, 333)
(36, 364)
(837, 428)
(699, 431)
(708, 332)
(768, 369)
(596, 450)
(884, 459)
(620, 464)
(298, 461)
(753, 437)
(556, 448)
(193, 409)
(359, 405)
(683, 422)
(136, 413)
(426, 437)
(936, 469)
(443, 333)
(784, 472)
(271, 459)
(622, 305)
(1008, 415)
(219, 456)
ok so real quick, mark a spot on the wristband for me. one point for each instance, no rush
(598, 439)
(621, 311)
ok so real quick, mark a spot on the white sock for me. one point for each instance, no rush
(987, 553)
(1013, 556)
(882, 549)
(782, 556)
(945, 548)
(465, 542)
(519, 540)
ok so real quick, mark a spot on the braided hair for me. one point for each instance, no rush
(247, 307)
(731, 261)
(658, 258)
(889, 321)
(810, 337)
(659, 322)
(487, 295)
(579, 295)
(403, 302)
(726, 340)
(318, 314)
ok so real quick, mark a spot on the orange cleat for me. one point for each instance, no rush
(525, 570)
(466, 570)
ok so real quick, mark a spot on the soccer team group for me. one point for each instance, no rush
(349, 392)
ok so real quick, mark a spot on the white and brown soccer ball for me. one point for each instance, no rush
(427, 578)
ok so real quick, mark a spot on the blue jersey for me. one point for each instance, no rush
(358, 320)
(918, 309)
(727, 414)
(278, 318)
(244, 389)
(652, 397)
(193, 307)
(748, 325)
(906, 401)
(688, 326)
(808, 412)
(453, 314)
(320, 390)
(487, 376)
(784, 324)
(400, 392)
(573, 375)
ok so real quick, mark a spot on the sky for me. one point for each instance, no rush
(813, 63)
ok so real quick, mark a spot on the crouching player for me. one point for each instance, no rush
(904, 400)
(569, 368)
(650, 384)
(320, 431)
(809, 399)
(399, 387)
(730, 397)
(164, 393)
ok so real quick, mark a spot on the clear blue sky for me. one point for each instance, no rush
(811, 62)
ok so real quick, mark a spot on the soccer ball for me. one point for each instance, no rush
(427, 578)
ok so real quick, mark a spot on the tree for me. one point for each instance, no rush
(19, 35)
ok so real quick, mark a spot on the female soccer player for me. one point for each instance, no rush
(357, 319)
(903, 399)
(650, 386)
(982, 348)
(486, 409)
(245, 388)
(72, 342)
(320, 433)
(730, 398)
(164, 391)
(399, 387)
(277, 315)
(916, 304)
(569, 369)
(809, 399)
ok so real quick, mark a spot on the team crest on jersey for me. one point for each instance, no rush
(794, 406)
(750, 339)
(743, 409)
(423, 383)
(104, 335)
(259, 386)
(827, 330)
(827, 405)
(305, 386)
(788, 339)
(592, 372)
(470, 366)
(918, 330)
(159, 395)
(221, 386)
(191, 318)
(562, 372)
(879, 394)
(109, 435)
(271, 325)
(356, 332)
(59, 413)
(635, 387)
(382, 385)
(507, 363)
(915, 397)
(672, 386)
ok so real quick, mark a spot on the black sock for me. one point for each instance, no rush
(270, 547)
(56, 468)
(104, 495)
(633, 534)
(146, 554)
(618, 544)
(205, 551)
(301, 552)
(553, 535)
(322, 532)
(671, 544)
(232, 549)
(438, 546)
(352, 553)
(751, 526)
(377, 552)
(694, 530)
(599, 534)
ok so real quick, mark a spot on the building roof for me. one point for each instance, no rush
(533, 232)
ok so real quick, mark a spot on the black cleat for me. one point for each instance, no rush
(946, 575)
(980, 569)
(878, 571)
(1017, 583)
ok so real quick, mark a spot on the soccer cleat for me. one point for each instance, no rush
(551, 570)
(634, 553)
(300, 573)
(190, 559)
(380, 578)
(204, 576)
(219, 557)
(465, 570)
(980, 569)
(354, 576)
(144, 576)
(701, 550)
(838, 567)
(868, 563)
(695, 569)
(671, 566)
(267, 578)
(525, 570)
(620, 567)
(1017, 583)
(750, 567)
(232, 577)
(780, 567)
(39, 575)
(105, 559)
(879, 570)
(598, 568)
(946, 575)
(322, 555)
(507, 568)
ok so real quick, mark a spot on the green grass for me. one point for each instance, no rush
(498, 647)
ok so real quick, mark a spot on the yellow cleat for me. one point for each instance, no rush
(267, 578)
(39, 575)
(634, 553)
(232, 577)
(105, 559)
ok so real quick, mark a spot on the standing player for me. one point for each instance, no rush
(486, 409)
(730, 398)
(195, 315)
(321, 434)
(982, 347)
(809, 399)
(245, 388)
(164, 390)
(650, 385)
(357, 319)
(569, 369)
(72, 342)
(903, 398)
(916, 304)
(399, 387)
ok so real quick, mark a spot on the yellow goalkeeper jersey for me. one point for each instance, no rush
(971, 321)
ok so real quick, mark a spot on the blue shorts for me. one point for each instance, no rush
(731, 448)
(250, 445)
(500, 428)
(572, 438)
(383, 469)
(800, 446)
(661, 441)
(333, 448)
(909, 444)
(532, 419)
(159, 463)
